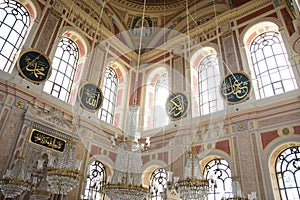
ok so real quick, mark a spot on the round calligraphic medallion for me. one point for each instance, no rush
(90, 97)
(177, 106)
(34, 66)
(236, 87)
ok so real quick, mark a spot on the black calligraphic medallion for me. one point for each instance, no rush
(177, 106)
(34, 66)
(90, 97)
(236, 87)
(39, 138)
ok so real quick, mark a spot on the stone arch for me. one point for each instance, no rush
(269, 157)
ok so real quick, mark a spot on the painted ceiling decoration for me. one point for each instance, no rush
(156, 2)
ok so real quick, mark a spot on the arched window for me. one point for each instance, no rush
(209, 80)
(161, 93)
(14, 22)
(157, 91)
(109, 90)
(287, 168)
(63, 69)
(218, 173)
(96, 176)
(158, 184)
(269, 61)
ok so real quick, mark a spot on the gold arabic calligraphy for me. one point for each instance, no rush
(92, 98)
(176, 106)
(48, 141)
(235, 88)
(35, 66)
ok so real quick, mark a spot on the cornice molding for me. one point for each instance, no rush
(175, 43)
(167, 8)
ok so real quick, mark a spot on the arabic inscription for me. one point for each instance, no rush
(236, 87)
(34, 66)
(90, 97)
(177, 106)
(46, 140)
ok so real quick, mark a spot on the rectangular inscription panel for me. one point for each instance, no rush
(48, 141)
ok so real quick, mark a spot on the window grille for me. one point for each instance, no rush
(63, 69)
(14, 23)
(109, 90)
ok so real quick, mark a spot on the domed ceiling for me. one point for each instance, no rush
(155, 2)
(152, 6)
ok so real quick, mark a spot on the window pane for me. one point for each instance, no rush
(12, 33)
(109, 90)
(59, 78)
(158, 184)
(48, 87)
(287, 169)
(269, 57)
(218, 173)
(13, 37)
(209, 81)
(65, 84)
(6, 30)
(63, 78)
(96, 176)
(63, 67)
(8, 49)
(161, 94)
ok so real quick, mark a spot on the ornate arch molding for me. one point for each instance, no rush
(108, 163)
(33, 9)
(123, 78)
(121, 71)
(295, 39)
(53, 121)
(201, 52)
(150, 81)
(254, 26)
(209, 155)
(197, 55)
(153, 163)
(268, 159)
(81, 41)
(157, 70)
(149, 168)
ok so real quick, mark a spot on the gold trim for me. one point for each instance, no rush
(78, 95)
(41, 54)
(230, 74)
(289, 10)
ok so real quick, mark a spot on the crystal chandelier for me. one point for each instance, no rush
(193, 186)
(15, 181)
(40, 190)
(65, 174)
(126, 181)
(237, 193)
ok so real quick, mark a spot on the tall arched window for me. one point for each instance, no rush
(219, 174)
(161, 93)
(14, 22)
(287, 168)
(209, 80)
(109, 90)
(269, 60)
(96, 176)
(158, 184)
(63, 69)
